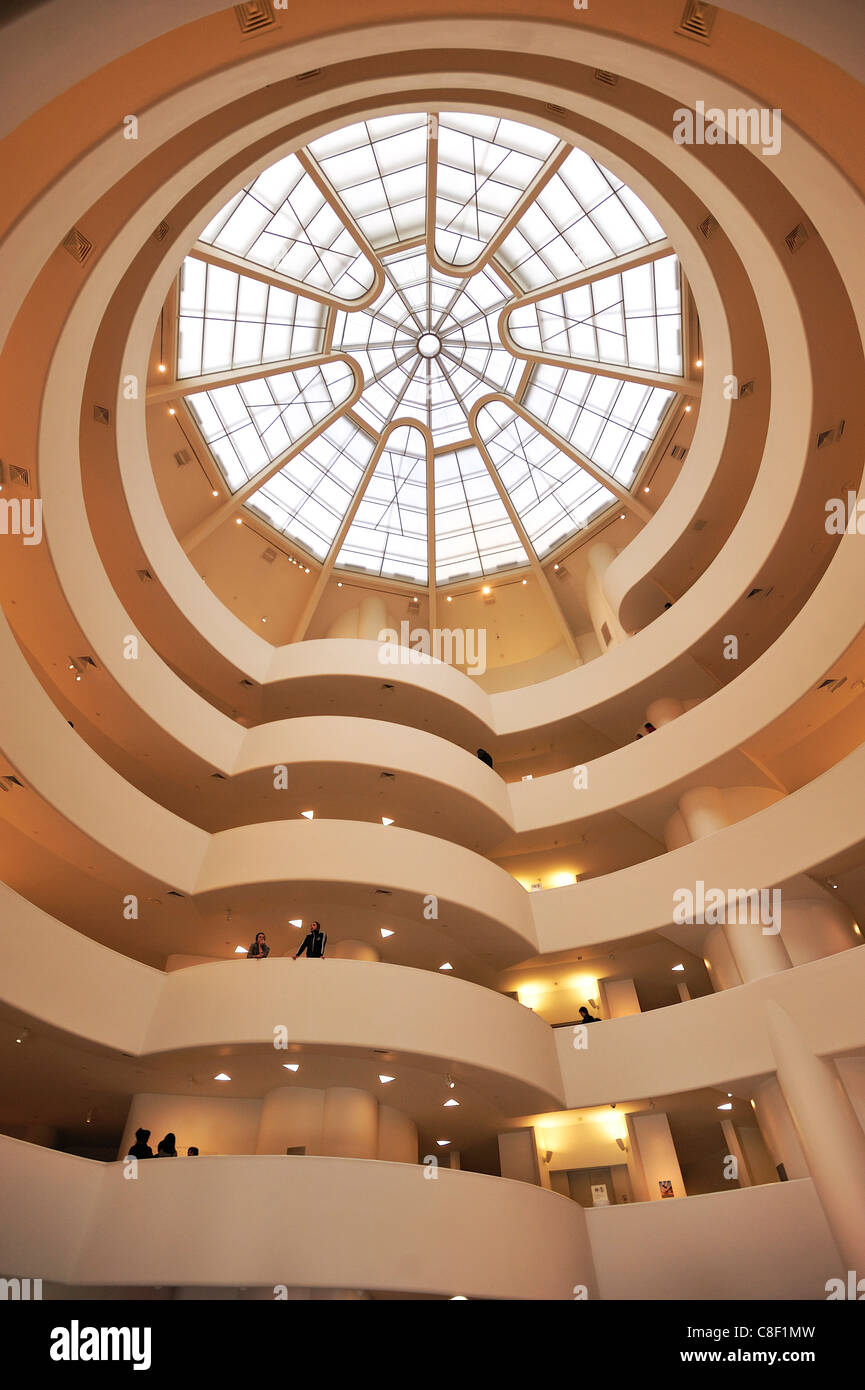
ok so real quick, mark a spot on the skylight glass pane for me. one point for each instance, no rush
(227, 321)
(484, 166)
(553, 495)
(284, 222)
(474, 534)
(429, 349)
(250, 424)
(378, 168)
(610, 422)
(388, 535)
(582, 217)
(309, 497)
(632, 319)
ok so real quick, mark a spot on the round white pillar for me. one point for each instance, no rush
(703, 811)
(664, 711)
(349, 1123)
(372, 618)
(830, 1134)
(397, 1136)
(291, 1118)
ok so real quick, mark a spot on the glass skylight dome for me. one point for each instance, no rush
(429, 344)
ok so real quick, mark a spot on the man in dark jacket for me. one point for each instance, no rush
(141, 1148)
(313, 943)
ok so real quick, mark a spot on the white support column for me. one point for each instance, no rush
(830, 1134)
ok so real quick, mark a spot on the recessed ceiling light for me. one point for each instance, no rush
(214, 493)
(525, 581)
(448, 599)
(240, 950)
(171, 410)
(699, 362)
(486, 589)
(291, 1066)
(726, 1106)
(162, 367)
(339, 583)
(678, 967)
(687, 408)
(308, 815)
(295, 921)
(442, 1142)
(647, 489)
(386, 931)
(306, 571)
(238, 521)
(555, 567)
(385, 1079)
(622, 516)
(222, 1076)
(458, 1298)
(447, 966)
(264, 620)
(450, 1102)
(386, 820)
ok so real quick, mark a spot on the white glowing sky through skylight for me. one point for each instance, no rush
(449, 379)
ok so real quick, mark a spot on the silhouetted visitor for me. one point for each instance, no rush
(259, 950)
(141, 1148)
(313, 943)
(586, 1017)
(485, 757)
(192, 1153)
(167, 1146)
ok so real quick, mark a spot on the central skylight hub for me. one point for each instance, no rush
(429, 345)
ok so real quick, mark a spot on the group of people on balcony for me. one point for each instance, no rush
(166, 1148)
(313, 945)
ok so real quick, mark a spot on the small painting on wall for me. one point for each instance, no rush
(666, 1186)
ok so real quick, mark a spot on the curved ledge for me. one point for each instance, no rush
(192, 1223)
(727, 1038)
(107, 1000)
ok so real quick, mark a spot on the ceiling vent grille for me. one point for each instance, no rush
(678, 451)
(560, 572)
(700, 525)
(831, 685)
(746, 389)
(556, 110)
(824, 438)
(145, 576)
(762, 593)
(161, 231)
(10, 781)
(383, 893)
(697, 21)
(608, 78)
(173, 893)
(388, 776)
(254, 16)
(308, 76)
(219, 776)
(708, 226)
(250, 684)
(101, 414)
(19, 475)
(78, 245)
(182, 456)
(796, 239)
(269, 555)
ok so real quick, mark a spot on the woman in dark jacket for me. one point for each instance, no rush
(259, 950)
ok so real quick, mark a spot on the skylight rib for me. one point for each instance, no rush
(228, 321)
(388, 536)
(474, 535)
(484, 166)
(610, 422)
(378, 169)
(248, 425)
(552, 494)
(631, 319)
(309, 497)
(583, 216)
(283, 221)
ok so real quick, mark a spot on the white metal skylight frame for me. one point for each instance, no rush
(555, 307)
